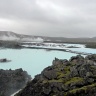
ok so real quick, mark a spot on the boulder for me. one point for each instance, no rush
(4, 60)
(50, 74)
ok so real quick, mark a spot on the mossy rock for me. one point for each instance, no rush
(74, 80)
(83, 90)
(59, 80)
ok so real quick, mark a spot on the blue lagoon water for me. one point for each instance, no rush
(35, 60)
(86, 50)
(31, 60)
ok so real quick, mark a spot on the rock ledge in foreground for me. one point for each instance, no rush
(12, 80)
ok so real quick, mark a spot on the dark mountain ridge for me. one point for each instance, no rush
(8, 35)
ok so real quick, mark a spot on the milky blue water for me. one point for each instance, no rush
(86, 50)
(34, 60)
(31, 60)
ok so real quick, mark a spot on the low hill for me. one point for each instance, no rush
(11, 36)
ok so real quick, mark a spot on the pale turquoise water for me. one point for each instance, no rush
(35, 60)
(87, 50)
(31, 60)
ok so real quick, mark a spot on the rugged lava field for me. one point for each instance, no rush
(76, 77)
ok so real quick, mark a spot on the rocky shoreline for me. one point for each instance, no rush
(10, 44)
(21, 45)
(12, 80)
(74, 77)
(58, 47)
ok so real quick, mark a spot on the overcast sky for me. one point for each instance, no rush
(66, 18)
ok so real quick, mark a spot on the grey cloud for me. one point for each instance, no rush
(67, 18)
